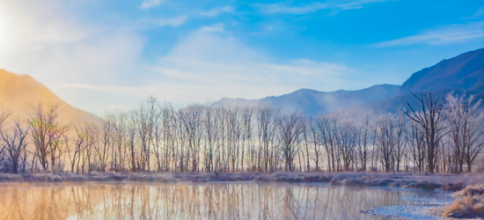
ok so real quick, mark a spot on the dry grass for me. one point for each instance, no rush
(480, 164)
(469, 203)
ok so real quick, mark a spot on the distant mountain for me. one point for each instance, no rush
(394, 104)
(315, 102)
(20, 93)
(463, 74)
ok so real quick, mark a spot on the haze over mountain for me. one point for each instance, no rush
(315, 102)
(461, 74)
(20, 93)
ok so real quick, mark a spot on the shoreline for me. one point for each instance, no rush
(446, 182)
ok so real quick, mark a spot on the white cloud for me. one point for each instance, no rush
(442, 35)
(219, 27)
(479, 12)
(217, 11)
(150, 23)
(174, 22)
(97, 68)
(209, 60)
(206, 66)
(49, 44)
(150, 4)
(285, 8)
(54, 47)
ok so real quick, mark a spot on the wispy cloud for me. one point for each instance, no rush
(209, 65)
(99, 68)
(219, 27)
(217, 11)
(442, 35)
(477, 15)
(479, 12)
(286, 8)
(150, 4)
(149, 23)
(219, 60)
(283, 8)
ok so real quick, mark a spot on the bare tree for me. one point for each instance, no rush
(15, 144)
(438, 137)
(102, 149)
(120, 140)
(400, 145)
(211, 134)
(191, 122)
(315, 141)
(147, 118)
(46, 132)
(362, 144)
(131, 131)
(291, 128)
(466, 129)
(246, 132)
(327, 128)
(234, 132)
(416, 141)
(89, 133)
(78, 145)
(4, 115)
(386, 135)
(267, 119)
(345, 137)
(431, 119)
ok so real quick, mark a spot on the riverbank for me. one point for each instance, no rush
(447, 182)
(469, 203)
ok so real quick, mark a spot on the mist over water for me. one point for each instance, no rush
(196, 201)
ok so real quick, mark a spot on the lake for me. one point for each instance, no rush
(241, 200)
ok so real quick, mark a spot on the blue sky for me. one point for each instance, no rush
(103, 55)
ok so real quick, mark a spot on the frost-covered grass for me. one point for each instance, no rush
(448, 182)
(469, 203)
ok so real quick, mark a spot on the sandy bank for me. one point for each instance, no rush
(446, 182)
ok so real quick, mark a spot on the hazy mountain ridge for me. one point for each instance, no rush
(315, 102)
(465, 71)
(463, 74)
(20, 93)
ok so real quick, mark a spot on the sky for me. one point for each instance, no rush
(105, 55)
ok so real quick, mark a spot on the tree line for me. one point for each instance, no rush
(440, 134)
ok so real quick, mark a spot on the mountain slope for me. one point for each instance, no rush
(464, 74)
(20, 93)
(395, 103)
(465, 71)
(315, 102)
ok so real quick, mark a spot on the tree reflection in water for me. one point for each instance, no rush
(191, 201)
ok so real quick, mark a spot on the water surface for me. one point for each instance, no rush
(200, 201)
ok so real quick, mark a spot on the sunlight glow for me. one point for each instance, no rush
(3, 30)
